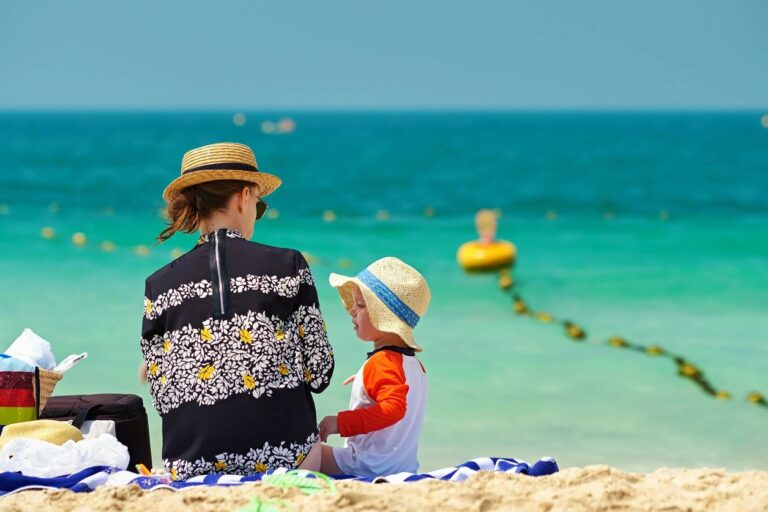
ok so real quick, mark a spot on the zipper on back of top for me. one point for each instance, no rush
(217, 261)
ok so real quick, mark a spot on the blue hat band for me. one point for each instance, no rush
(388, 297)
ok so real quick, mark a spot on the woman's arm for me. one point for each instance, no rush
(312, 333)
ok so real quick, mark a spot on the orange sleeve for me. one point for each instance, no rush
(384, 381)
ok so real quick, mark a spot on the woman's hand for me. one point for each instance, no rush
(329, 425)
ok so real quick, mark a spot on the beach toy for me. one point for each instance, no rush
(487, 253)
(259, 504)
(308, 482)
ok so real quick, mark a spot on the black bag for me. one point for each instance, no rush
(127, 411)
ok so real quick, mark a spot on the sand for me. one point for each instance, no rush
(575, 489)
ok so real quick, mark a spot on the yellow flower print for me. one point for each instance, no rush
(307, 375)
(147, 307)
(206, 372)
(163, 380)
(260, 467)
(283, 369)
(167, 346)
(249, 382)
(220, 465)
(299, 459)
(280, 334)
(174, 474)
(301, 331)
(246, 336)
(153, 369)
(206, 335)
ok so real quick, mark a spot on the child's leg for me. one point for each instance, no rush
(328, 465)
(312, 461)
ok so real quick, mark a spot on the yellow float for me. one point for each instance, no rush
(486, 254)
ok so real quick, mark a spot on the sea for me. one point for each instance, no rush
(652, 226)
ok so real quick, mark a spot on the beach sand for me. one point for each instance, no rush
(574, 489)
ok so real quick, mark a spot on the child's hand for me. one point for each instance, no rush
(349, 379)
(329, 425)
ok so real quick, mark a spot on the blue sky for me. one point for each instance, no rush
(384, 54)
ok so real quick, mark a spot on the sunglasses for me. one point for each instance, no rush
(261, 208)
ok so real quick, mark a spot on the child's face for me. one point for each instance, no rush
(360, 319)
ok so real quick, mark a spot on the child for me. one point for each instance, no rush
(389, 392)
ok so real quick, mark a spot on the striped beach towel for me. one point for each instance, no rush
(91, 478)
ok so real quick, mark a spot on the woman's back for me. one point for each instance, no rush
(234, 344)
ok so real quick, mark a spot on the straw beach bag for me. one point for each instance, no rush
(43, 386)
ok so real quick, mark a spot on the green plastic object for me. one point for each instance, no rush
(297, 479)
(259, 504)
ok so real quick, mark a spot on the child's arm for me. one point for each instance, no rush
(384, 382)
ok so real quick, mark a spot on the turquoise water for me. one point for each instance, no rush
(697, 283)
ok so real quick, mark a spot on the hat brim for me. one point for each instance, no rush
(266, 183)
(381, 316)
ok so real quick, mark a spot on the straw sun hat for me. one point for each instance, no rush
(395, 294)
(222, 161)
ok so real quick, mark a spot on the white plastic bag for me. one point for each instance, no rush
(37, 458)
(34, 350)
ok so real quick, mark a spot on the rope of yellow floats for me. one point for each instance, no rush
(490, 255)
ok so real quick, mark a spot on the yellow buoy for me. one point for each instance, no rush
(487, 253)
(429, 212)
(141, 250)
(382, 215)
(551, 215)
(79, 238)
(4, 209)
(176, 252)
(273, 213)
(47, 233)
(481, 256)
(108, 246)
(329, 216)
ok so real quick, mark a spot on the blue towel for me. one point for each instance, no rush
(90, 478)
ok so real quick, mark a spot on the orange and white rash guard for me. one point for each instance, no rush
(385, 416)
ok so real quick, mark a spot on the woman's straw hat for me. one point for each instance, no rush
(395, 294)
(222, 161)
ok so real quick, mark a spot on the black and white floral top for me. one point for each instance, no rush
(234, 344)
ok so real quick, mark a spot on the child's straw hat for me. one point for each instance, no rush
(222, 161)
(395, 294)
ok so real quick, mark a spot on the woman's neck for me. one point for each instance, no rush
(217, 222)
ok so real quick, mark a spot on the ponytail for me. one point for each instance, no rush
(190, 206)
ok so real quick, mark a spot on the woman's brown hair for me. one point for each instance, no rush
(193, 204)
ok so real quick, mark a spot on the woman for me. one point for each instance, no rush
(232, 337)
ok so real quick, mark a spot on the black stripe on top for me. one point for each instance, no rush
(235, 166)
(406, 351)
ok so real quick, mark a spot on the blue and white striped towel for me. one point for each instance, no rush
(89, 479)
